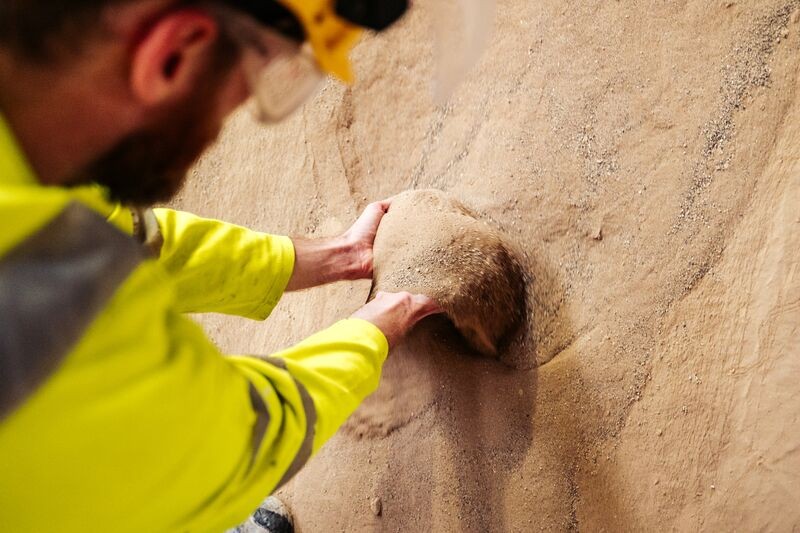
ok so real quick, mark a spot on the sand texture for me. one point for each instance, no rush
(643, 159)
(431, 244)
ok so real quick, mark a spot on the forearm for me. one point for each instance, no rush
(321, 261)
(223, 268)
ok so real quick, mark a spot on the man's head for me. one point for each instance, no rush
(128, 93)
(145, 85)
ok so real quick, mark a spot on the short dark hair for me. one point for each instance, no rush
(40, 30)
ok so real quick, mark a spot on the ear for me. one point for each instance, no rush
(168, 58)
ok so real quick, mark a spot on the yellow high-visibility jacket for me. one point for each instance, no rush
(117, 413)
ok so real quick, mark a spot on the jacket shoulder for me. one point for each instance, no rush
(53, 283)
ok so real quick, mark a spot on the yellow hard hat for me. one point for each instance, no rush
(331, 27)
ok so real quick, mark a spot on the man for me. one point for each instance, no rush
(116, 412)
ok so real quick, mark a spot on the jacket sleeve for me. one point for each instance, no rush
(145, 404)
(328, 368)
(299, 398)
(223, 268)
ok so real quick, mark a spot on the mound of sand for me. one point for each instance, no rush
(644, 158)
(429, 243)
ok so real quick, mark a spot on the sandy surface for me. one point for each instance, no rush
(645, 157)
(429, 243)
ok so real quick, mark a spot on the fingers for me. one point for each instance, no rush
(376, 207)
(418, 306)
(360, 237)
(370, 218)
(386, 204)
(396, 314)
(373, 214)
(426, 306)
(383, 205)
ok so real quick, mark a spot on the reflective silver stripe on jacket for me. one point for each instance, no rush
(51, 288)
(306, 448)
(262, 420)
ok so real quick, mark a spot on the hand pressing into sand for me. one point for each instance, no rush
(361, 237)
(396, 313)
(346, 257)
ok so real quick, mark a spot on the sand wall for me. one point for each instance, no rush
(645, 156)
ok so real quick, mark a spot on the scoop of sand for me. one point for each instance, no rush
(429, 243)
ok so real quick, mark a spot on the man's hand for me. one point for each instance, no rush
(395, 314)
(347, 257)
(361, 237)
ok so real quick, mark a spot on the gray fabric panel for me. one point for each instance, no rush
(304, 454)
(262, 420)
(51, 288)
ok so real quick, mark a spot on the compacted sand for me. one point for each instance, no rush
(431, 244)
(643, 159)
